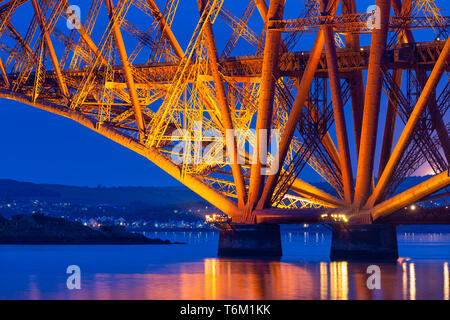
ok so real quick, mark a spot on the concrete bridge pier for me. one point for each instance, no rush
(250, 240)
(367, 242)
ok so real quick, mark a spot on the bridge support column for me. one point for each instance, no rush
(370, 242)
(250, 240)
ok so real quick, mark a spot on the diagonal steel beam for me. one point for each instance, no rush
(436, 116)
(224, 108)
(240, 29)
(411, 195)
(391, 113)
(366, 155)
(9, 4)
(126, 70)
(165, 28)
(389, 125)
(407, 37)
(191, 181)
(339, 115)
(22, 42)
(51, 50)
(262, 8)
(263, 11)
(356, 78)
(408, 130)
(308, 190)
(266, 100)
(4, 74)
(294, 115)
(326, 141)
(87, 38)
(438, 122)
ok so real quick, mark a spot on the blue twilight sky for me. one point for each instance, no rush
(41, 147)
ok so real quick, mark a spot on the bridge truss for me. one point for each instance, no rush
(122, 71)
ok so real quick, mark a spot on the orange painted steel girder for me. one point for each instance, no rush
(223, 77)
(357, 78)
(265, 108)
(194, 183)
(366, 155)
(406, 135)
(295, 114)
(166, 28)
(224, 108)
(126, 69)
(412, 195)
(339, 116)
(49, 44)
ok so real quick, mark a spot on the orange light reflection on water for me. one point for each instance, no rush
(241, 279)
(446, 282)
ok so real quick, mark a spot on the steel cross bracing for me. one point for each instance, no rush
(128, 70)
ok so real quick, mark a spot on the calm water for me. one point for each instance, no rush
(193, 271)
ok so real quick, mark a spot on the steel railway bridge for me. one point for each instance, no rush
(122, 72)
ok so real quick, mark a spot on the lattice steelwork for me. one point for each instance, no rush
(243, 68)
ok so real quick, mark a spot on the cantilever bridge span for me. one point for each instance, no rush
(122, 71)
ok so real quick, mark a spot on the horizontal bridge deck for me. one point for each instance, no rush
(243, 68)
(439, 215)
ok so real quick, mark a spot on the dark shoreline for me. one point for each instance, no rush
(87, 242)
(38, 229)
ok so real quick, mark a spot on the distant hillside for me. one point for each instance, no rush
(152, 196)
(179, 197)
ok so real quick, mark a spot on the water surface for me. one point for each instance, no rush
(193, 271)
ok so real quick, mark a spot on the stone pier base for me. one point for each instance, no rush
(250, 240)
(368, 242)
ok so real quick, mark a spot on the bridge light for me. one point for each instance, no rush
(217, 218)
(412, 207)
